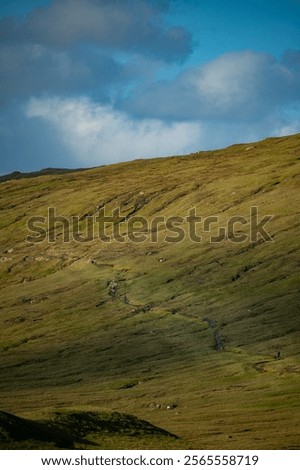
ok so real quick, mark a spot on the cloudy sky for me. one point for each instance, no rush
(91, 82)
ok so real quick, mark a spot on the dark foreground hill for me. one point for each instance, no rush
(197, 336)
(75, 430)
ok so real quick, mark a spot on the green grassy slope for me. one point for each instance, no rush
(187, 338)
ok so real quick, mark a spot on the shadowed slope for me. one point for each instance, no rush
(68, 430)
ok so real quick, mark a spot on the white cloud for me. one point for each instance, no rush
(232, 80)
(97, 134)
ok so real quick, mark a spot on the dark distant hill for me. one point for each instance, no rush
(16, 175)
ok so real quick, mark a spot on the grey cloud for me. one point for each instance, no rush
(241, 85)
(115, 24)
(35, 69)
(74, 46)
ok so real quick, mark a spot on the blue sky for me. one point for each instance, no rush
(92, 82)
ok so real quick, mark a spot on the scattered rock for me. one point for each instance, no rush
(219, 341)
(112, 286)
(129, 385)
(171, 406)
(236, 277)
(259, 366)
(159, 406)
(211, 323)
(28, 300)
(147, 308)
(154, 406)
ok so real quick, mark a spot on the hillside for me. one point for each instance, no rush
(200, 339)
